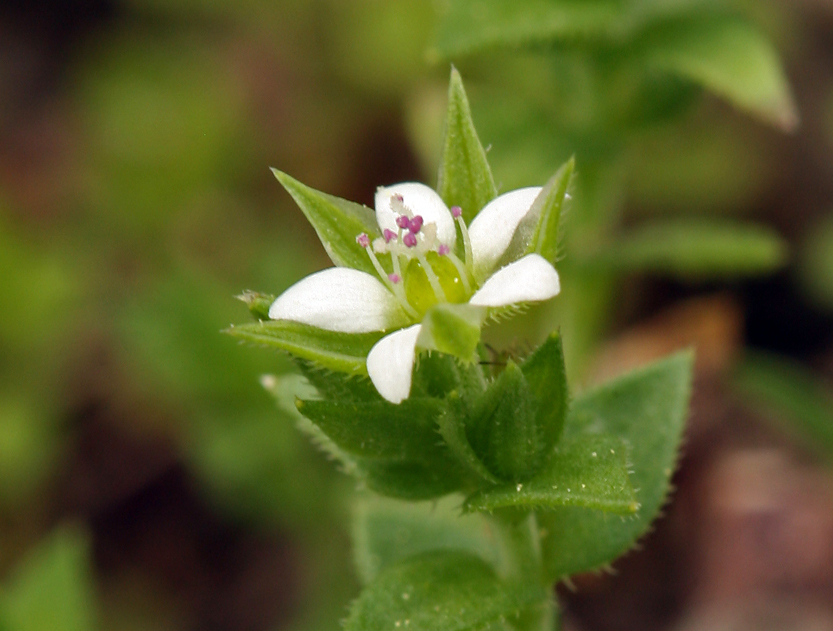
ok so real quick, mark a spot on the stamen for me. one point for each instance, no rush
(394, 286)
(432, 279)
(410, 240)
(443, 249)
(394, 278)
(456, 212)
(389, 235)
(403, 222)
(415, 224)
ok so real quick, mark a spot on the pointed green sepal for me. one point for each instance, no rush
(341, 352)
(547, 378)
(587, 471)
(337, 221)
(452, 329)
(452, 424)
(503, 431)
(257, 303)
(465, 179)
(547, 212)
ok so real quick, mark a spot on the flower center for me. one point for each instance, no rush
(424, 271)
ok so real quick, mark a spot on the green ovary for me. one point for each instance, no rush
(418, 289)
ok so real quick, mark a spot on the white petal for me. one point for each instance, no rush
(421, 200)
(340, 299)
(492, 229)
(529, 279)
(391, 361)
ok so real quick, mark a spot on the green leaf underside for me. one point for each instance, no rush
(464, 179)
(378, 429)
(337, 221)
(342, 352)
(588, 471)
(440, 591)
(800, 402)
(387, 531)
(546, 375)
(647, 410)
(548, 207)
(453, 329)
(697, 249)
(52, 589)
(730, 58)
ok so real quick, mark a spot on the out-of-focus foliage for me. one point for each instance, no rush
(791, 396)
(599, 79)
(52, 588)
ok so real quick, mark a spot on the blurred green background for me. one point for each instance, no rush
(147, 481)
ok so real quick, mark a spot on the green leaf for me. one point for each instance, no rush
(791, 395)
(588, 471)
(52, 589)
(286, 390)
(546, 375)
(453, 329)
(337, 386)
(465, 179)
(440, 591)
(341, 352)
(647, 410)
(471, 25)
(731, 58)
(435, 474)
(257, 303)
(379, 429)
(547, 212)
(503, 431)
(697, 249)
(337, 221)
(387, 531)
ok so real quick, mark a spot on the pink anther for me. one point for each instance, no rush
(394, 278)
(443, 249)
(415, 224)
(363, 240)
(403, 222)
(389, 235)
(456, 211)
(409, 239)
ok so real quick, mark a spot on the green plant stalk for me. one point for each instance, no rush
(519, 541)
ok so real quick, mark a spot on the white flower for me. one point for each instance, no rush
(419, 236)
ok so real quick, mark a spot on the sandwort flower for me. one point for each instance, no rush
(419, 265)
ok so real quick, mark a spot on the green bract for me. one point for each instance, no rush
(536, 488)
